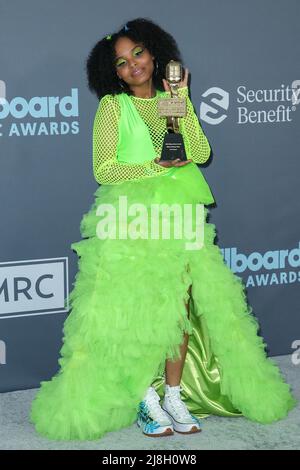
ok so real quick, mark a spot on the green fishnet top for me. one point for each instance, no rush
(106, 167)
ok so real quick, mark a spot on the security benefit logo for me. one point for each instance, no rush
(38, 115)
(251, 105)
(33, 287)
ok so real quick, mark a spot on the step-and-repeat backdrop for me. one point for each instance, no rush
(245, 82)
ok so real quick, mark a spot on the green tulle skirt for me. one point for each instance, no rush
(128, 316)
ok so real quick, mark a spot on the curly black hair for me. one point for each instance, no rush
(100, 68)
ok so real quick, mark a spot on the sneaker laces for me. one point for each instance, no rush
(177, 404)
(155, 410)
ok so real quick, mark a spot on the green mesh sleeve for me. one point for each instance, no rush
(195, 141)
(106, 168)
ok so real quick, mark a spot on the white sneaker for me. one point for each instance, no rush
(183, 421)
(151, 418)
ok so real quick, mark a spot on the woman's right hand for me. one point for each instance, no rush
(170, 163)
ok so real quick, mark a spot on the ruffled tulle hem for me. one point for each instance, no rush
(128, 316)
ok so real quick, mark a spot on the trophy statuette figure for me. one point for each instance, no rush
(173, 109)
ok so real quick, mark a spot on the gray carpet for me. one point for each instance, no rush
(16, 432)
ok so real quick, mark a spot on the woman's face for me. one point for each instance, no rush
(133, 63)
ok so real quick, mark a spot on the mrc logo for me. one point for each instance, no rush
(33, 287)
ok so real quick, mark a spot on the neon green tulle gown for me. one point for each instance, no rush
(127, 306)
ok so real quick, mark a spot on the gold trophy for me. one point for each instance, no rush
(173, 109)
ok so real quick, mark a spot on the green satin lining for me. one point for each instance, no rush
(200, 380)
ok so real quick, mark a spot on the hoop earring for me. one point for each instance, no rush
(156, 68)
(121, 84)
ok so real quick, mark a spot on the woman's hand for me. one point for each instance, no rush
(169, 163)
(181, 84)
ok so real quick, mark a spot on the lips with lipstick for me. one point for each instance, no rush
(136, 72)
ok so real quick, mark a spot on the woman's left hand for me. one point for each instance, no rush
(181, 84)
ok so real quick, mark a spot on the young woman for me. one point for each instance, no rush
(152, 315)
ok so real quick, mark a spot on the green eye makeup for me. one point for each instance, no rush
(119, 62)
(136, 51)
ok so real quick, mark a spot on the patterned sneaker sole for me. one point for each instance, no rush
(183, 428)
(159, 432)
(193, 430)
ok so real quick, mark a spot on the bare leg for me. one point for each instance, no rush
(174, 369)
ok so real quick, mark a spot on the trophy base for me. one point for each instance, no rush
(173, 147)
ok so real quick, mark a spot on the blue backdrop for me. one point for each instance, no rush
(244, 86)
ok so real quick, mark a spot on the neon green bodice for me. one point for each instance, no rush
(128, 134)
